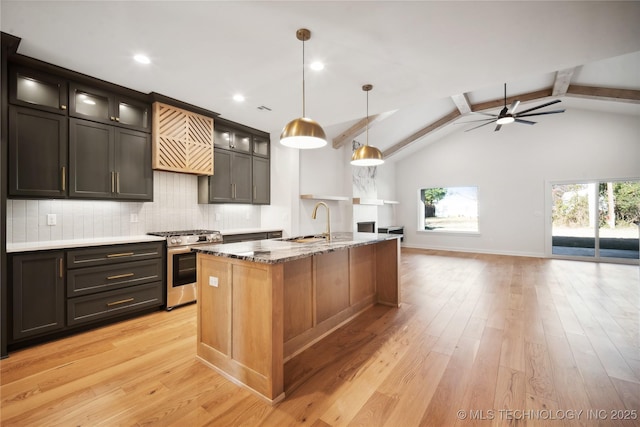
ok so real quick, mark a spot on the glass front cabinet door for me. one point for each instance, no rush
(35, 89)
(105, 107)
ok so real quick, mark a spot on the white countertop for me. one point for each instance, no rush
(79, 243)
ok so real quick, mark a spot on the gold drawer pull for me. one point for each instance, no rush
(122, 301)
(120, 276)
(120, 254)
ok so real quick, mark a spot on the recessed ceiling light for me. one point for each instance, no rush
(317, 66)
(143, 59)
(238, 97)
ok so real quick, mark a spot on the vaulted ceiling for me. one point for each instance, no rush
(431, 63)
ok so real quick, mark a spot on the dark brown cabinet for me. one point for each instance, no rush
(261, 146)
(231, 181)
(105, 107)
(104, 282)
(37, 294)
(241, 167)
(34, 89)
(261, 181)
(98, 146)
(232, 139)
(51, 293)
(37, 153)
(106, 162)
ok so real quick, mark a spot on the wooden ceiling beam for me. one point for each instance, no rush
(561, 87)
(604, 93)
(421, 133)
(462, 102)
(523, 97)
(358, 128)
(562, 81)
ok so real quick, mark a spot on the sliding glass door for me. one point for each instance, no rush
(596, 220)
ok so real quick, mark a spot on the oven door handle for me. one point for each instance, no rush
(179, 250)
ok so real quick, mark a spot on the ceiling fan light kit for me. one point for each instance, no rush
(303, 132)
(366, 155)
(508, 114)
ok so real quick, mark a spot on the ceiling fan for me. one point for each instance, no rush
(509, 115)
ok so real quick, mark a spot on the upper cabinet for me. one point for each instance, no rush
(182, 140)
(232, 139)
(102, 106)
(241, 166)
(261, 146)
(34, 89)
(106, 162)
(37, 153)
(76, 139)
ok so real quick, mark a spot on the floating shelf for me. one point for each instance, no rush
(391, 202)
(359, 201)
(320, 197)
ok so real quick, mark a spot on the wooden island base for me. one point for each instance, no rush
(253, 316)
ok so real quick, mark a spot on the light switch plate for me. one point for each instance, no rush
(51, 219)
(213, 281)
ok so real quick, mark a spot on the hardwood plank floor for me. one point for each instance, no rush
(479, 340)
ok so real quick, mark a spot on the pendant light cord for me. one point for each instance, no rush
(367, 118)
(303, 94)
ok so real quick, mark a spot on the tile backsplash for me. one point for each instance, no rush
(174, 207)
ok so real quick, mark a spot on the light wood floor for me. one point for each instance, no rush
(504, 340)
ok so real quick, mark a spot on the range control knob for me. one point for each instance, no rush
(178, 241)
(173, 241)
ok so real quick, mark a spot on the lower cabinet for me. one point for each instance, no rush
(244, 237)
(56, 291)
(37, 294)
(107, 281)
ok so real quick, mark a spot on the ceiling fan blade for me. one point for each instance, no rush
(555, 101)
(484, 114)
(484, 124)
(513, 107)
(498, 127)
(479, 120)
(541, 113)
(526, 122)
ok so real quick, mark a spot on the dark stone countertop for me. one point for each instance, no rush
(275, 251)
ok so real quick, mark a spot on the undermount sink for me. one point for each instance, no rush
(320, 238)
(309, 240)
(306, 239)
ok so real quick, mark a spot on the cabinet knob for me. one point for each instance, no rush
(112, 118)
(63, 107)
(117, 119)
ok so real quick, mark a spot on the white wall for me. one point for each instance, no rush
(511, 169)
(324, 171)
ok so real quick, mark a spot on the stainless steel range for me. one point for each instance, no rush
(181, 263)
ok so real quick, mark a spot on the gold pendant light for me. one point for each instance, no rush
(303, 132)
(367, 155)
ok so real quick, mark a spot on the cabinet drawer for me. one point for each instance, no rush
(106, 255)
(103, 305)
(83, 281)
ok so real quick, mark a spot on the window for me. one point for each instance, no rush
(449, 209)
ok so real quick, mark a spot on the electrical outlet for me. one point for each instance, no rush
(51, 219)
(134, 217)
(213, 281)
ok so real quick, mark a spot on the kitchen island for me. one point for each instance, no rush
(260, 303)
